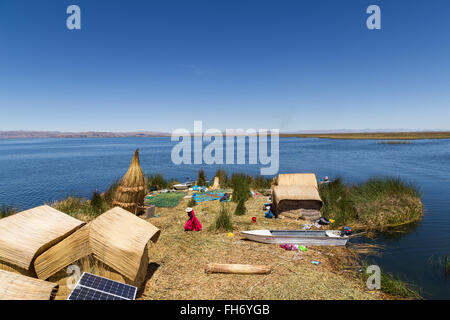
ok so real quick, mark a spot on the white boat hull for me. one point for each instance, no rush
(301, 237)
(180, 186)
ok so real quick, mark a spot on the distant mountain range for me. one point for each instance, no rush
(342, 134)
(88, 134)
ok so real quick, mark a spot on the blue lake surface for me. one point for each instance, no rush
(37, 171)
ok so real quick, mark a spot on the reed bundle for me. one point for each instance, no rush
(131, 191)
(113, 245)
(27, 234)
(14, 286)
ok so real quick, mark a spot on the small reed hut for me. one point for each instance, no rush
(27, 234)
(296, 195)
(14, 286)
(114, 246)
(131, 191)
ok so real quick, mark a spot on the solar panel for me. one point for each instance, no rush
(93, 287)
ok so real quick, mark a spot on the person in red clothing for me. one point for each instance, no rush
(192, 224)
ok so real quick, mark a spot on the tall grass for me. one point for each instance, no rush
(97, 202)
(261, 183)
(392, 285)
(87, 209)
(376, 203)
(240, 208)
(441, 262)
(201, 178)
(156, 181)
(337, 202)
(7, 211)
(223, 221)
(241, 188)
(108, 195)
(71, 205)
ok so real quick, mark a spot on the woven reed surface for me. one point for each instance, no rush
(71, 249)
(26, 234)
(117, 238)
(297, 179)
(14, 286)
(131, 190)
(281, 193)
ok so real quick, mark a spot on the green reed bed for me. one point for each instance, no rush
(7, 211)
(442, 263)
(374, 204)
(392, 285)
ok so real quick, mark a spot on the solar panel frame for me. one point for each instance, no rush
(93, 286)
(85, 293)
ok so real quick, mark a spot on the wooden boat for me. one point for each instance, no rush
(303, 237)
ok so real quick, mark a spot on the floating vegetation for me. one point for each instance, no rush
(7, 211)
(375, 204)
(441, 263)
(392, 285)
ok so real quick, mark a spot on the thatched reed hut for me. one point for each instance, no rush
(131, 191)
(296, 195)
(14, 286)
(114, 246)
(27, 234)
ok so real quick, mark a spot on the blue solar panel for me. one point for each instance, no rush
(92, 287)
(84, 293)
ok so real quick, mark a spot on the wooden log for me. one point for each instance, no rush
(237, 268)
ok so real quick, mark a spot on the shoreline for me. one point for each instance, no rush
(425, 135)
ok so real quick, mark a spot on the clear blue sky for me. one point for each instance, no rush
(160, 65)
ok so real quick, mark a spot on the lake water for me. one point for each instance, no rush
(34, 171)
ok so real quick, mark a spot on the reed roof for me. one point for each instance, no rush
(116, 238)
(14, 286)
(296, 186)
(24, 235)
(295, 193)
(297, 179)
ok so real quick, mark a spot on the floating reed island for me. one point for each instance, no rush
(107, 237)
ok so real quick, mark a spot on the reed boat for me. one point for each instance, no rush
(303, 237)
